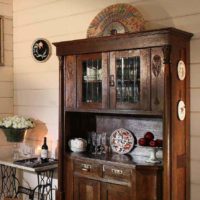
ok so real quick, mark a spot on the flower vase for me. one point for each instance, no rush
(14, 135)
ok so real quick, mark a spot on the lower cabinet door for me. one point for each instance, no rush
(115, 192)
(86, 189)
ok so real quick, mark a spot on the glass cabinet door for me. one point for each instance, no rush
(92, 81)
(129, 71)
(91, 91)
(128, 79)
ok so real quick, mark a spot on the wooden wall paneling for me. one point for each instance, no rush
(68, 179)
(187, 120)
(119, 42)
(167, 125)
(134, 184)
(139, 126)
(79, 124)
(157, 79)
(61, 149)
(115, 192)
(86, 189)
(179, 129)
(152, 189)
(112, 89)
(178, 137)
(105, 80)
(145, 79)
(70, 82)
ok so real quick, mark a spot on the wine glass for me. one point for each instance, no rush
(94, 142)
(104, 142)
(15, 151)
(28, 151)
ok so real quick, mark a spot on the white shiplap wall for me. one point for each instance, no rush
(6, 71)
(36, 84)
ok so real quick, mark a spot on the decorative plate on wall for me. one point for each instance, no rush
(181, 70)
(122, 141)
(181, 110)
(115, 19)
(41, 50)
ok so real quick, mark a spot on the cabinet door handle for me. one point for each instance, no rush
(117, 171)
(112, 82)
(85, 167)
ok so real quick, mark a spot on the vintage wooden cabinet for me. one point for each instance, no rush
(137, 81)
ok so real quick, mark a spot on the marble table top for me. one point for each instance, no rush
(11, 163)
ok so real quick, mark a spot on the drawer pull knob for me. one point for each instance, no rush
(117, 171)
(85, 167)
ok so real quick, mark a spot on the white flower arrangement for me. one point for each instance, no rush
(16, 122)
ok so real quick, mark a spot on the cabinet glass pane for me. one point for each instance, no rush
(128, 79)
(92, 81)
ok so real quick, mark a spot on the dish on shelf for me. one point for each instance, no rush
(77, 150)
(116, 19)
(122, 141)
(77, 145)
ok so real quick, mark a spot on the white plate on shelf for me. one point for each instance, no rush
(122, 141)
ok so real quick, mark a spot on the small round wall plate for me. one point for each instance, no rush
(181, 70)
(181, 110)
(41, 50)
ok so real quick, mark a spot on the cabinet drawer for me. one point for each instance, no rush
(87, 168)
(117, 173)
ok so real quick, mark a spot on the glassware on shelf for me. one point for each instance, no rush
(94, 142)
(97, 143)
(128, 79)
(153, 158)
(92, 81)
(16, 153)
(27, 151)
(104, 142)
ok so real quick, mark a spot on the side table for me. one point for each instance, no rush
(10, 185)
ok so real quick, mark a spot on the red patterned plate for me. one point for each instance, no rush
(114, 19)
(122, 141)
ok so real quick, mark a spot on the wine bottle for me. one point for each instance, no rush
(44, 151)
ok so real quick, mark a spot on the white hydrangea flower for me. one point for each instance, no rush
(16, 122)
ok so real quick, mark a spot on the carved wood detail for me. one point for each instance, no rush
(156, 65)
(156, 68)
(166, 52)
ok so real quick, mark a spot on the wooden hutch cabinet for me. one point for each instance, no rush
(140, 82)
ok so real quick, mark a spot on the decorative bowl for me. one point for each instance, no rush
(77, 144)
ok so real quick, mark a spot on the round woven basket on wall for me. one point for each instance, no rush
(14, 135)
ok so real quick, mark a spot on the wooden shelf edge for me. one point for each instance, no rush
(120, 112)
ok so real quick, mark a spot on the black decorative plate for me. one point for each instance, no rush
(41, 50)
